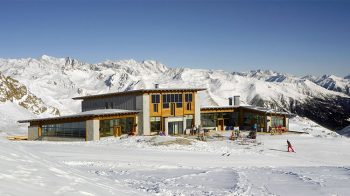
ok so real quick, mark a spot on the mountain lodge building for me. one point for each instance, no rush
(173, 111)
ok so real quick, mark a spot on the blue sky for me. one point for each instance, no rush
(298, 37)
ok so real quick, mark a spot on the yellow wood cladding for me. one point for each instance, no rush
(157, 109)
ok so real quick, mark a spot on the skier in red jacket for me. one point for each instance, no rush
(290, 147)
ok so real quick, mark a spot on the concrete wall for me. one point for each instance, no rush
(268, 123)
(142, 104)
(287, 122)
(33, 132)
(92, 130)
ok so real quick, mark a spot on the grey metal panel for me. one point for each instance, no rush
(126, 102)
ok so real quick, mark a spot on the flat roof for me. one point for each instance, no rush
(219, 107)
(256, 108)
(87, 114)
(266, 110)
(140, 91)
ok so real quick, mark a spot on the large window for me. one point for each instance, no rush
(189, 121)
(277, 121)
(208, 119)
(188, 100)
(249, 119)
(211, 119)
(155, 102)
(107, 127)
(155, 124)
(156, 98)
(188, 97)
(73, 129)
(172, 98)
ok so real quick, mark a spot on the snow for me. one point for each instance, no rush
(304, 125)
(57, 80)
(9, 112)
(345, 131)
(164, 165)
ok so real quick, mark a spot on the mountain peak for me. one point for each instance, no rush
(47, 57)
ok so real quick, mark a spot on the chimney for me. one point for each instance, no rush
(156, 86)
(230, 101)
(236, 100)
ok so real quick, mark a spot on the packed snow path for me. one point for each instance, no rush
(136, 166)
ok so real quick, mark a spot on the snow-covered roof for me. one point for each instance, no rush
(140, 91)
(256, 108)
(91, 113)
(219, 107)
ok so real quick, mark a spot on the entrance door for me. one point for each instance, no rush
(221, 124)
(117, 131)
(175, 128)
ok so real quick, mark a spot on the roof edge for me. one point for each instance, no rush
(139, 91)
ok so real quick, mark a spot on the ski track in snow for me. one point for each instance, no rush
(137, 166)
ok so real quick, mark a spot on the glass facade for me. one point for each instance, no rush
(189, 121)
(175, 128)
(211, 119)
(73, 129)
(172, 98)
(277, 121)
(249, 119)
(155, 124)
(107, 127)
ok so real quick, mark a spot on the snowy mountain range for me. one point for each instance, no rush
(44, 87)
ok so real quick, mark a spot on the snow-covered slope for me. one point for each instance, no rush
(345, 131)
(332, 82)
(17, 102)
(56, 80)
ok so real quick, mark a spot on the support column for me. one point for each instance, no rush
(197, 110)
(184, 125)
(142, 104)
(33, 132)
(166, 131)
(92, 130)
(287, 122)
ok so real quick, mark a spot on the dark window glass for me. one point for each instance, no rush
(179, 105)
(165, 105)
(155, 107)
(155, 98)
(189, 97)
(155, 126)
(172, 99)
(106, 105)
(189, 123)
(107, 126)
(164, 98)
(168, 98)
(74, 129)
(188, 106)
